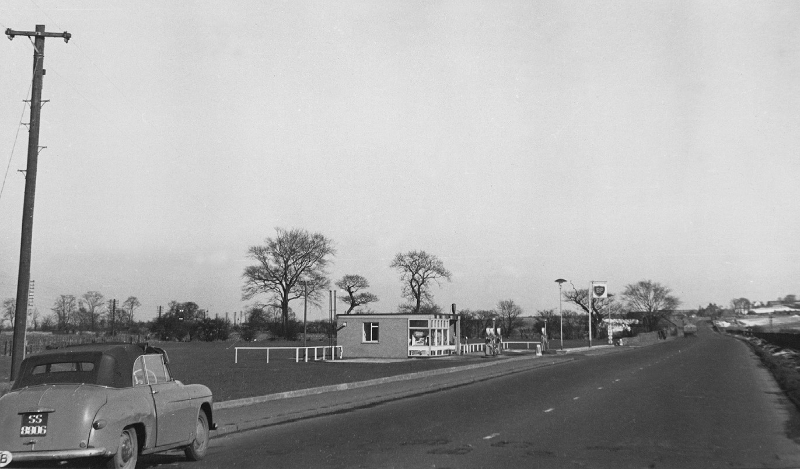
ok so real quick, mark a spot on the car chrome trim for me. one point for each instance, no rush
(59, 455)
(38, 410)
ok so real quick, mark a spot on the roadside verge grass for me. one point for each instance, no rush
(785, 372)
(212, 364)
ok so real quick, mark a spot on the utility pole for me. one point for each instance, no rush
(21, 312)
(113, 316)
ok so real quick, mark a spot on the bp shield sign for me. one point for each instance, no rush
(599, 290)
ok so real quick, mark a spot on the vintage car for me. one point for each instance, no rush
(107, 403)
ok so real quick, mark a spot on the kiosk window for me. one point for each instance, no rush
(370, 332)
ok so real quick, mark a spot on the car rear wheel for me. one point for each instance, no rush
(127, 452)
(197, 450)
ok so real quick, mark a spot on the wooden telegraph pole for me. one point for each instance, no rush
(21, 312)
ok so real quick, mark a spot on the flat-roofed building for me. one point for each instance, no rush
(396, 335)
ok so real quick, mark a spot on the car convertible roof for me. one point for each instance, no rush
(113, 364)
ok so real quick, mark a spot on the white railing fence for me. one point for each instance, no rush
(536, 346)
(326, 349)
(472, 348)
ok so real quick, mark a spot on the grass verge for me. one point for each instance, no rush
(785, 372)
(212, 364)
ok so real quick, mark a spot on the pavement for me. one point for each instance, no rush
(262, 411)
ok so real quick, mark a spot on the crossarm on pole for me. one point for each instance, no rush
(11, 33)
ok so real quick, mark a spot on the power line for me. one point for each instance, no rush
(14, 146)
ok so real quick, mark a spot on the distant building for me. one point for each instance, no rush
(775, 309)
(396, 335)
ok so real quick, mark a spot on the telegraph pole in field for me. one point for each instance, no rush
(21, 312)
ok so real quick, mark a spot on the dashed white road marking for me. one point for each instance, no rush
(601, 387)
(575, 398)
(491, 436)
(549, 410)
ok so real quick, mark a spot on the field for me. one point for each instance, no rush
(212, 364)
(774, 324)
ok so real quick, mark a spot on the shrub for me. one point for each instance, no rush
(784, 371)
(210, 330)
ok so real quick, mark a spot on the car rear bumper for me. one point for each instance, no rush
(62, 455)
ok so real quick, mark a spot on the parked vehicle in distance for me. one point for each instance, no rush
(110, 402)
(689, 329)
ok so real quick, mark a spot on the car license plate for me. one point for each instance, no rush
(33, 425)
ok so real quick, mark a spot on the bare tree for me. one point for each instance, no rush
(550, 319)
(469, 323)
(485, 318)
(418, 270)
(740, 305)
(574, 324)
(130, 306)
(92, 302)
(34, 315)
(82, 319)
(9, 309)
(651, 300)
(601, 307)
(64, 308)
(352, 284)
(282, 262)
(113, 316)
(425, 308)
(509, 314)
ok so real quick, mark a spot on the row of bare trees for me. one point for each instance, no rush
(9, 314)
(569, 323)
(89, 312)
(507, 316)
(293, 265)
(650, 302)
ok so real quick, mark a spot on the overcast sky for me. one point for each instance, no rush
(518, 141)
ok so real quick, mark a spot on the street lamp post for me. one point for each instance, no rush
(304, 283)
(331, 314)
(560, 317)
(305, 315)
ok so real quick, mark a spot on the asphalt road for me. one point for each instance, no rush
(696, 402)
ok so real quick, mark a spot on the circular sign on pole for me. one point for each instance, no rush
(5, 458)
